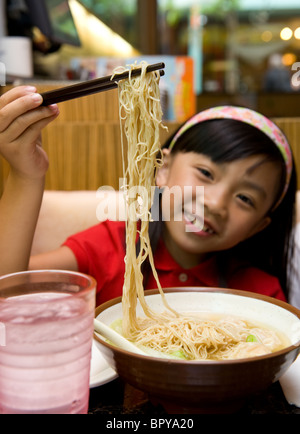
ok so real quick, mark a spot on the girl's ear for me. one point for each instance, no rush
(261, 226)
(163, 172)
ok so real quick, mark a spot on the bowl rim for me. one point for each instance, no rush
(102, 307)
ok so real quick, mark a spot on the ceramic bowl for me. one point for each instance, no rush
(205, 386)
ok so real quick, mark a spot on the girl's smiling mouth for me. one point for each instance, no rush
(197, 224)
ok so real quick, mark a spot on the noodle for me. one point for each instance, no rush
(207, 339)
(168, 332)
(140, 103)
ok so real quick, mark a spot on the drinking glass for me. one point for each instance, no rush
(46, 332)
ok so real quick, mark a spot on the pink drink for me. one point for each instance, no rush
(45, 362)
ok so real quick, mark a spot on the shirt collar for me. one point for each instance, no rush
(206, 272)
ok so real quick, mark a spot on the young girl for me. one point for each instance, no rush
(242, 160)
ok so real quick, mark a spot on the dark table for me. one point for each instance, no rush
(119, 398)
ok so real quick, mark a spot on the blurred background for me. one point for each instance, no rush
(241, 51)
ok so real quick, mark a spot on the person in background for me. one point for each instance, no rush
(294, 297)
(277, 77)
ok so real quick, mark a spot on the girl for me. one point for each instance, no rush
(241, 159)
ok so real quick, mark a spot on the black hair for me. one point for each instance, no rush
(225, 140)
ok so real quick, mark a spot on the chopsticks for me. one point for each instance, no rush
(94, 86)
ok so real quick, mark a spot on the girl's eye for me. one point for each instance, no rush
(205, 172)
(246, 200)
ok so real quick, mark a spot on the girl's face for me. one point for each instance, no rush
(236, 201)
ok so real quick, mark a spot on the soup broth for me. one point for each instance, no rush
(206, 336)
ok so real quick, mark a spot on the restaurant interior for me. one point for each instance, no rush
(239, 52)
(216, 52)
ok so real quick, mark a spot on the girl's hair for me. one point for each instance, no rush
(225, 140)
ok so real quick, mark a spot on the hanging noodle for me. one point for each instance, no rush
(141, 110)
(167, 332)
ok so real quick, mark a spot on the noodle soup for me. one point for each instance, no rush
(206, 386)
(206, 336)
(204, 325)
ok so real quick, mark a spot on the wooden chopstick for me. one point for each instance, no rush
(94, 86)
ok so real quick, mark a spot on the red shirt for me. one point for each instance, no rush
(100, 253)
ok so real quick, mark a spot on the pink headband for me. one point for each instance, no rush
(250, 117)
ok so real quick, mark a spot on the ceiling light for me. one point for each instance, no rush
(286, 33)
(297, 33)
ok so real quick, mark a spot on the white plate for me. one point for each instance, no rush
(101, 372)
(290, 383)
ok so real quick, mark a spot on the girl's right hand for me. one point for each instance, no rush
(21, 122)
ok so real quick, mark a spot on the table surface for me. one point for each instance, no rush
(118, 397)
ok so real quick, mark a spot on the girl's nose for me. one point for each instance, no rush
(216, 200)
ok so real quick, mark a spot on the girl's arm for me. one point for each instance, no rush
(60, 259)
(21, 122)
